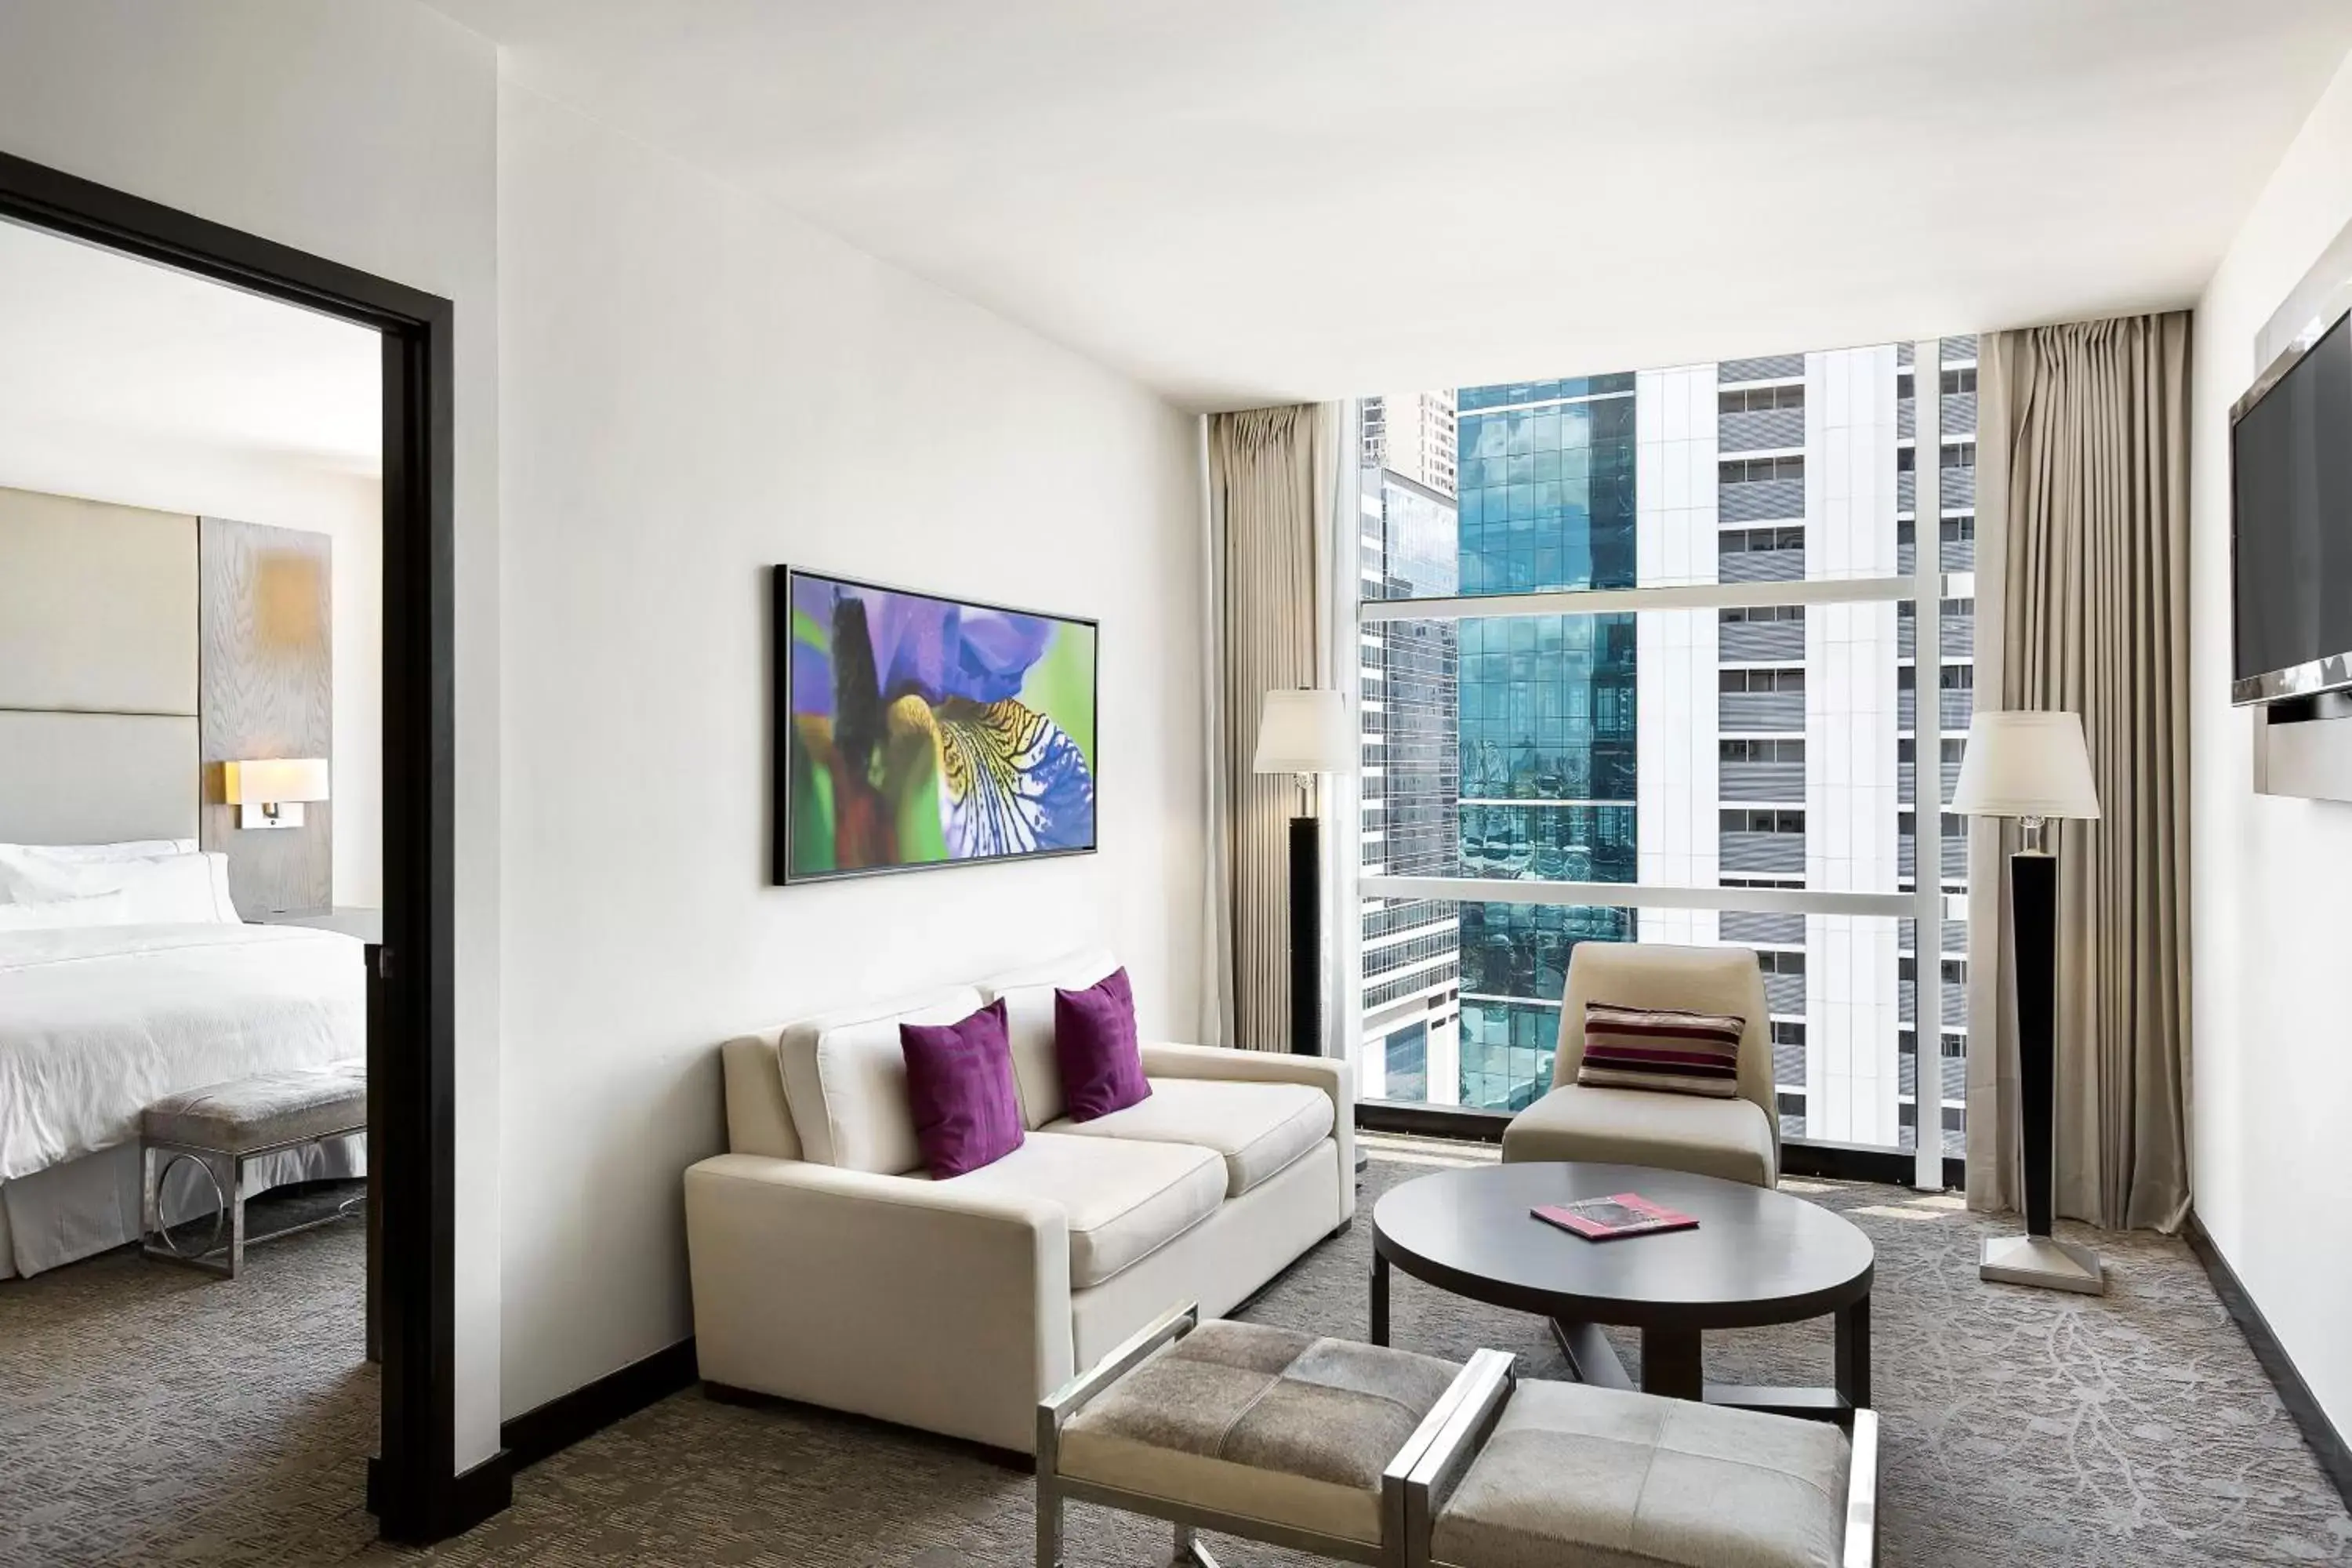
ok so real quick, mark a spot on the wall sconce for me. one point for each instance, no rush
(270, 792)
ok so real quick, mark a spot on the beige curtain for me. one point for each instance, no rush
(1270, 478)
(2085, 437)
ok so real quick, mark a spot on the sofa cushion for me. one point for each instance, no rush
(1266, 1423)
(1125, 1201)
(1257, 1129)
(1028, 996)
(1577, 1474)
(959, 1087)
(1727, 1138)
(1094, 1046)
(846, 1079)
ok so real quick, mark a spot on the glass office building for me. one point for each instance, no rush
(1548, 723)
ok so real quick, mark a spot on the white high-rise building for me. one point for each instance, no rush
(1412, 435)
(1774, 741)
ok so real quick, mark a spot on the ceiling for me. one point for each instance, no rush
(119, 361)
(1246, 201)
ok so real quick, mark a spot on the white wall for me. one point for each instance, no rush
(2271, 1092)
(366, 132)
(694, 387)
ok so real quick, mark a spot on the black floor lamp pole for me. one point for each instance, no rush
(1306, 937)
(2033, 918)
(2038, 1257)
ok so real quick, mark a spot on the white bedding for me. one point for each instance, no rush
(96, 1022)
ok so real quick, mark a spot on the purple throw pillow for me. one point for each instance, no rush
(1094, 1042)
(960, 1088)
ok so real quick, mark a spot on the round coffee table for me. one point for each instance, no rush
(1758, 1256)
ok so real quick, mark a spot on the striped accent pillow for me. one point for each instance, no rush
(1661, 1048)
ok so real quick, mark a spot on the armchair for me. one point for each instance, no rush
(1737, 1139)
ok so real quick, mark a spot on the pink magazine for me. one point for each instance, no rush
(1606, 1219)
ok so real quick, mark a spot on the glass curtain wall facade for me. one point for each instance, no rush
(1764, 748)
(1548, 707)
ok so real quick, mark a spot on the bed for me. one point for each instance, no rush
(96, 1022)
(126, 972)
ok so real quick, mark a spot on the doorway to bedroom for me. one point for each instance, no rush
(225, 887)
(191, 863)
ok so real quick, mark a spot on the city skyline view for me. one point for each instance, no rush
(1746, 745)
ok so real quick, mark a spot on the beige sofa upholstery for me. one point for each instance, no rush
(1736, 1138)
(828, 1267)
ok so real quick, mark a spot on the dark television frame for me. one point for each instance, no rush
(781, 872)
(2329, 672)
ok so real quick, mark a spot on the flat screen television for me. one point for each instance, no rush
(2291, 524)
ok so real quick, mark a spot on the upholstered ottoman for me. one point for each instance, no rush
(1252, 1431)
(220, 1127)
(1565, 1474)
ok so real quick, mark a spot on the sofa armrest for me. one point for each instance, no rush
(1334, 1076)
(893, 1297)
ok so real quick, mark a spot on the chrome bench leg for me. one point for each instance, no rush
(235, 1194)
(1189, 1551)
(157, 1160)
(1049, 1527)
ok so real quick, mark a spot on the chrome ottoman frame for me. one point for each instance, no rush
(1414, 1485)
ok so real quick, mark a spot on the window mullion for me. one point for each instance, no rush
(1628, 601)
(1927, 790)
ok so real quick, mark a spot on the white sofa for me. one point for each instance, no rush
(828, 1267)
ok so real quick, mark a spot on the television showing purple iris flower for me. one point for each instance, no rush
(927, 730)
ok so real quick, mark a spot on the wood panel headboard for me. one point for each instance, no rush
(267, 690)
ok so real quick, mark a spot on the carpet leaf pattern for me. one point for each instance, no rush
(150, 1414)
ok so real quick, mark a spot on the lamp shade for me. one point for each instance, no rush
(272, 780)
(2026, 765)
(1306, 733)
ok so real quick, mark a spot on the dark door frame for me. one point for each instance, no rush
(411, 1485)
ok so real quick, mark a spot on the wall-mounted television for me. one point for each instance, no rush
(919, 729)
(2291, 524)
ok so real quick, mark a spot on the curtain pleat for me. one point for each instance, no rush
(1268, 483)
(2091, 425)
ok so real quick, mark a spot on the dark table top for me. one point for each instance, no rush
(1757, 1256)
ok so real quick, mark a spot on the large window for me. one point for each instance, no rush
(1695, 719)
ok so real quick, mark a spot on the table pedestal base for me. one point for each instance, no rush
(1671, 1367)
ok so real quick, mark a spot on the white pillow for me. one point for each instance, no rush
(54, 914)
(130, 849)
(28, 876)
(176, 890)
(167, 890)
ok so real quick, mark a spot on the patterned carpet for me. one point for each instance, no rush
(153, 1414)
(148, 1416)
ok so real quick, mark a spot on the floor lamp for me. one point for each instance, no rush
(1306, 733)
(2032, 766)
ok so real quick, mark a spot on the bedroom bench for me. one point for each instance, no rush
(221, 1126)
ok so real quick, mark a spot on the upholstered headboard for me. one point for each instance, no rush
(98, 672)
